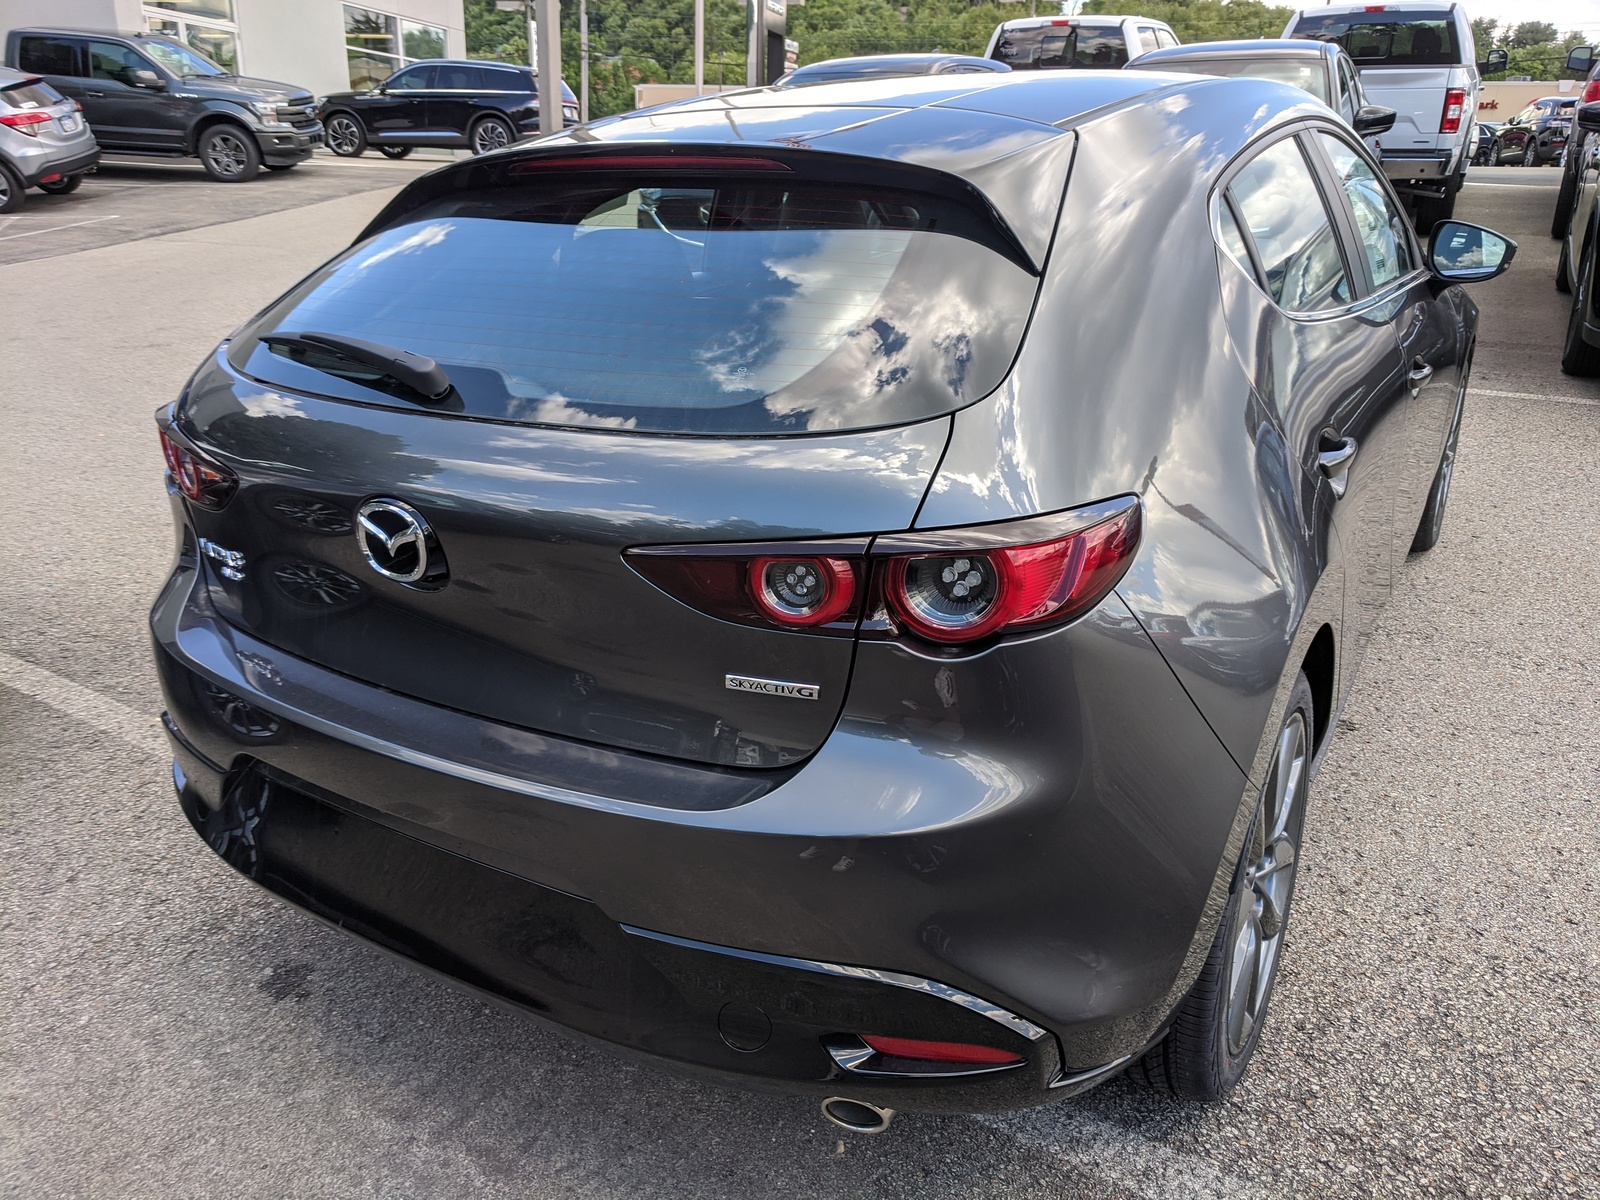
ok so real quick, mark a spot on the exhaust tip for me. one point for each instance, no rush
(856, 1115)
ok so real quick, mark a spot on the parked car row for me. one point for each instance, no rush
(1576, 223)
(78, 92)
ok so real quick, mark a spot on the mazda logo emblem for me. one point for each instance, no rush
(399, 544)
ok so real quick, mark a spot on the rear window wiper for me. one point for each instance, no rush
(417, 374)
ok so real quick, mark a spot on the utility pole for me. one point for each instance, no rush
(699, 47)
(755, 44)
(549, 67)
(583, 48)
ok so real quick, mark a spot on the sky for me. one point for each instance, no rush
(1563, 14)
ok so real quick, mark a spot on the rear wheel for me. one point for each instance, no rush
(1563, 267)
(10, 189)
(394, 151)
(1433, 209)
(345, 135)
(1564, 198)
(1577, 356)
(229, 154)
(1217, 1026)
(64, 186)
(1494, 154)
(491, 133)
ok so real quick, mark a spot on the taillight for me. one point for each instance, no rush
(26, 122)
(1455, 102)
(964, 586)
(949, 587)
(208, 484)
(1591, 92)
(946, 1052)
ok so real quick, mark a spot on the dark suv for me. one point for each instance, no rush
(1536, 136)
(146, 94)
(440, 102)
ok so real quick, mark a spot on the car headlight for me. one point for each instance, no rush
(265, 109)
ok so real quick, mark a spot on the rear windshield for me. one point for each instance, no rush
(1081, 44)
(669, 304)
(33, 94)
(1380, 39)
(1299, 72)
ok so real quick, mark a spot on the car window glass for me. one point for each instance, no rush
(1233, 240)
(1147, 39)
(1381, 225)
(1079, 44)
(1278, 199)
(108, 60)
(493, 80)
(1165, 39)
(409, 80)
(1307, 75)
(48, 56)
(36, 94)
(1378, 37)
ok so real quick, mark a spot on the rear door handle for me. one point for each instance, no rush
(1419, 375)
(101, 94)
(1335, 464)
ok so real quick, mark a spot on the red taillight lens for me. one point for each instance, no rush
(802, 591)
(947, 1052)
(206, 483)
(963, 596)
(1591, 92)
(26, 122)
(1455, 102)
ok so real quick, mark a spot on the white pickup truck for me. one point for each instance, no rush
(1416, 57)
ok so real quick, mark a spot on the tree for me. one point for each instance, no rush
(1483, 29)
(1530, 34)
(1207, 20)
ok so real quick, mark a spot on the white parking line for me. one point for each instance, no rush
(56, 228)
(87, 705)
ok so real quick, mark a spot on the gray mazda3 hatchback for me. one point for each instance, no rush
(841, 590)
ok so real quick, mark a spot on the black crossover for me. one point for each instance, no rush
(763, 584)
(440, 102)
(149, 95)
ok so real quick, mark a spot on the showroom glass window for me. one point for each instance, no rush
(208, 26)
(1277, 197)
(378, 44)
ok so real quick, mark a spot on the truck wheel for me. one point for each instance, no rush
(1564, 198)
(10, 189)
(1577, 356)
(1431, 210)
(229, 154)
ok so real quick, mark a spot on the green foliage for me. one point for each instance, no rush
(1206, 20)
(1530, 34)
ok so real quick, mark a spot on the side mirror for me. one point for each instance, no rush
(1497, 61)
(1462, 253)
(1373, 118)
(1581, 60)
(150, 81)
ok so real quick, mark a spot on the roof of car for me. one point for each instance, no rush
(1306, 47)
(127, 34)
(895, 60)
(1085, 19)
(467, 62)
(10, 76)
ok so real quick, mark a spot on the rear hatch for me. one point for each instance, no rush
(37, 110)
(640, 353)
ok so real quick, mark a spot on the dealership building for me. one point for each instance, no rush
(323, 45)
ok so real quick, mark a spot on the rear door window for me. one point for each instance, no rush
(1380, 38)
(1165, 38)
(49, 56)
(1147, 39)
(661, 302)
(1086, 45)
(1379, 221)
(1277, 197)
(110, 60)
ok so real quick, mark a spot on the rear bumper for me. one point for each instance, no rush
(34, 167)
(1069, 913)
(1421, 165)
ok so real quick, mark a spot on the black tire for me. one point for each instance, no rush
(11, 189)
(1431, 210)
(1432, 523)
(1562, 217)
(345, 135)
(229, 154)
(394, 151)
(1216, 1028)
(64, 186)
(1563, 284)
(1494, 153)
(1577, 356)
(491, 133)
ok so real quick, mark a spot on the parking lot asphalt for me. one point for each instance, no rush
(170, 1030)
(130, 198)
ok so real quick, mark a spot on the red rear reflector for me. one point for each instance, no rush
(1455, 101)
(949, 1052)
(24, 122)
(648, 162)
(206, 483)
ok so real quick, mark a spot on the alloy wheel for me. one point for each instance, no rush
(226, 154)
(1263, 895)
(490, 135)
(5, 189)
(343, 136)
